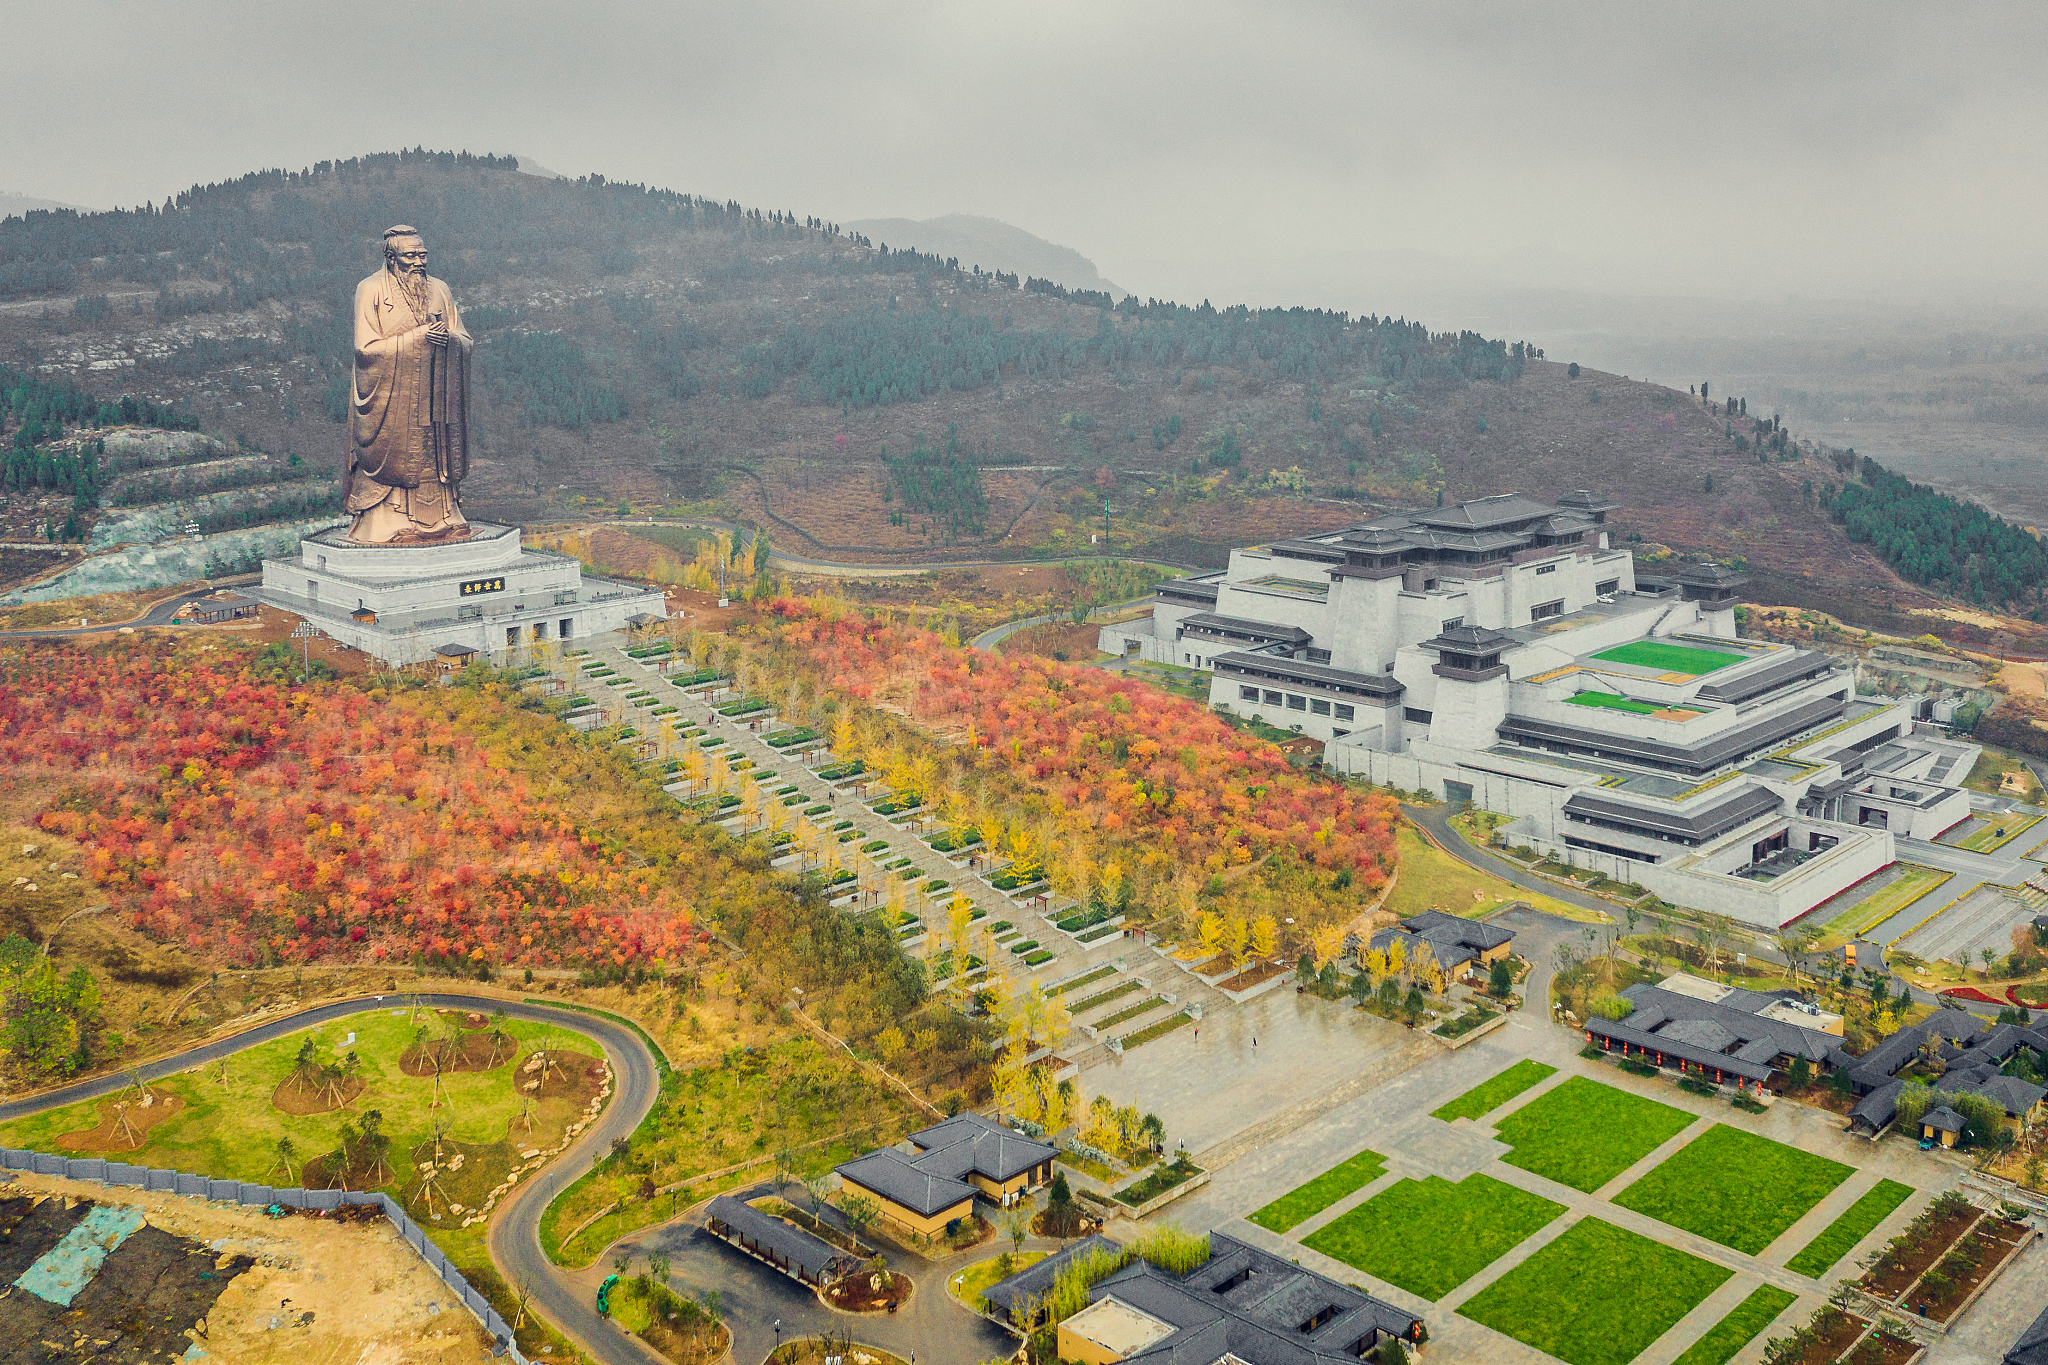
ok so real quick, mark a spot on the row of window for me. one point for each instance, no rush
(1543, 611)
(1294, 701)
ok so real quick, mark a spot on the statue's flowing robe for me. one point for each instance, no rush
(409, 416)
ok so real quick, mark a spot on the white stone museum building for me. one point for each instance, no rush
(1503, 652)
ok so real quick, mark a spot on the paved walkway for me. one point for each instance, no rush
(1070, 957)
(754, 1298)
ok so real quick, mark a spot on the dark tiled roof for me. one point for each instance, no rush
(1876, 1067)
(1786, 668)
(1704, 1031)
(2032, 1347)
(893, 1176)
(1699, 758)
(970, 1142)
(935, 1177)
(1257, 1320)
(1877, 1108)
(1342, 681)
(1942, 1120)
(1450, 938)
(812, 1255)
(1477, 933)
(1235, 627)
(1480, 514)
(1739, 807)
(1471, 640)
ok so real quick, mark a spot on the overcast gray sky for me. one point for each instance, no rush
(1188, 148)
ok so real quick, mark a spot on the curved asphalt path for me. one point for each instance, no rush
(158, 615)
(513, 1234)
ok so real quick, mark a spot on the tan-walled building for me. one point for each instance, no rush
(921, 1192)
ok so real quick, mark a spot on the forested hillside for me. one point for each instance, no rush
(648, 349)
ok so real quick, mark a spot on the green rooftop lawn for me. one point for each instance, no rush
(1913, 882)
(1430, 1236)
(1670, 658)
(1733, 1332)
(1306, 1201)
(1490, 1095)
(1839, 1237)
(1998, 831)
(1611, 702)
(1597, 1295)
(1734, 1187)
(1583, 1133)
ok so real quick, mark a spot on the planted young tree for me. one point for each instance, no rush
(860, 1211)
(500, 1038)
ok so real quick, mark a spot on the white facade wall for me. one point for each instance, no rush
(487, 593)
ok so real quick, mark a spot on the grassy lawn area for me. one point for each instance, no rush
(1997, 833)
(1598, 1295)
(1733, 1332)
(1670, 658)
(1306, 1201)
(1612, 702)
(1839, 1237)
(1488, 1096)
(1734, 1187)
(229, 1129)
(1991, 767)
(1432, 879)
(1583, 1133)
(1914, 882)
(969, 1284)
(1430, 1236)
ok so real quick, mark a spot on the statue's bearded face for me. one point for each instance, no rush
(409, 256)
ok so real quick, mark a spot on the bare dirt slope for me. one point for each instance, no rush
(299, 1290)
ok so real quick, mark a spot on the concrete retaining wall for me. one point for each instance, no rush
(263, 1196)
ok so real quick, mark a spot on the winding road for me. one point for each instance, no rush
(159, 614)
(514, 1230)
(755, 1301)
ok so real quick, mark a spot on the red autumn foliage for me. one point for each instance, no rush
(1114, 755)
(251, 822)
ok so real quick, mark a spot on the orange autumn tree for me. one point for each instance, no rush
(253, 823)
(1113, 757)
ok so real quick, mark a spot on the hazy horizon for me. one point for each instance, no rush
(1295, 154)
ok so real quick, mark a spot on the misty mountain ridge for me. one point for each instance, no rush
(641, 348)
(13, 204)
(991, 244)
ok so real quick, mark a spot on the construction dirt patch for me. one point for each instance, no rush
(160, 1274)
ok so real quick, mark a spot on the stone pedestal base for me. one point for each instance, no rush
(401, 603)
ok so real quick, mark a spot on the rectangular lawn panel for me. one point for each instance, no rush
(1838, 1237)
(1583, 1134)
(1306, 1201)
(1733, 1332)
(1488, 1096)
(1430, 1236)
(1598, 1295)
(1670, 658)
(1615, 703)
(1734, 1187)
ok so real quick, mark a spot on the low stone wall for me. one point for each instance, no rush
(263, 1196)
